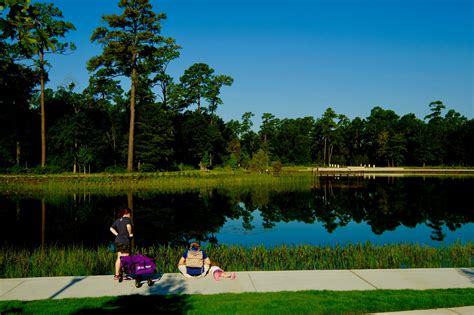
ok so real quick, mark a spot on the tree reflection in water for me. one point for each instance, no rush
(177, 218)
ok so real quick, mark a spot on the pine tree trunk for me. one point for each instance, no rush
(131, 134)
(43, 119)
(18, 151)
(331, 147)
(199, 104)
(324, 152)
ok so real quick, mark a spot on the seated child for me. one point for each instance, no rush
(218, 273)
(194, 263)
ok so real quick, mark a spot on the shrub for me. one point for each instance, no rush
(115, 169)
(259, 161)
(276, 167)
(146, 167)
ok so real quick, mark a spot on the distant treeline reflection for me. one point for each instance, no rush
(175, 218)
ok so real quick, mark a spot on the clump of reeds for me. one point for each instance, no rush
(80, 261)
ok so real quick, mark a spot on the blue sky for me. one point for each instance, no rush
(296, 58)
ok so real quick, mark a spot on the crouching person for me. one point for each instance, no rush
(194, 264)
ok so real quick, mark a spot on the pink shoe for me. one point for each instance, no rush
(232, 276)
(217, 275)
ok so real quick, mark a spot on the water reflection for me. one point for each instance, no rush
(440, 204)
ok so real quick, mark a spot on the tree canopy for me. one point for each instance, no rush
(135, 116)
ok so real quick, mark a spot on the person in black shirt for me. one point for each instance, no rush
(122, 229)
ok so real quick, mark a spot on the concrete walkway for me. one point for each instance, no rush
(255, 281)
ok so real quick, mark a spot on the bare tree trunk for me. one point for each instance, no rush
(199, 104)
(131, 134)
(324, 152)
(164, 92)
(43, 119)
(331, 148)
(74, 169)
(18, 151)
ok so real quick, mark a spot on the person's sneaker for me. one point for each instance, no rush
(116, 277)
(232, 276)
(127, 277)
(217, 275)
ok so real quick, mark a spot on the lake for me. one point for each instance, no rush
(435, 211)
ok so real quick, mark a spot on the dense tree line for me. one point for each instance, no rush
(157, 123)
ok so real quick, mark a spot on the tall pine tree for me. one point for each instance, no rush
(131, 46)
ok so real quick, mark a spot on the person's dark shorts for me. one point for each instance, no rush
(122, 248)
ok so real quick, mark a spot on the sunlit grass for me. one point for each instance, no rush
(290, 179)
(79, 261)
(303, 302)
(162, 181)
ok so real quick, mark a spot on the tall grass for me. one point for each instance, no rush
(167, 182)
(77, 261)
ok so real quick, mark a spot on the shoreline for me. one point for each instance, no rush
(389, 171)
(213, 178)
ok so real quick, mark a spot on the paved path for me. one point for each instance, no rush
(255, 281)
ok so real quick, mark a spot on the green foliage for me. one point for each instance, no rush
(115, 169)
(196, 137)
(34, 30)
(146, 167)
(155, 137)
(200, 83)
(259, 161)
(276, 167)
(79, 261)
(134, 52)
(91, 127)
(232, 162)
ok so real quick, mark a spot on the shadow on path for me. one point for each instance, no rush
(468, 272)
(73, 282)
(163, 297)
(168, 285)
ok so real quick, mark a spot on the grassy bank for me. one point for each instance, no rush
(305, 302)
(288, 178)
(163, 181)
(78, 261)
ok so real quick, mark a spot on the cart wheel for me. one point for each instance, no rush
(120, 278)
(138, 283)
(150, 282)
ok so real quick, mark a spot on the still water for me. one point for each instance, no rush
(434, 211)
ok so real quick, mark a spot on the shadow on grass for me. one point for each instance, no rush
(152, 304)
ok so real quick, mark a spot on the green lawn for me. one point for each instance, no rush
(303, 302)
